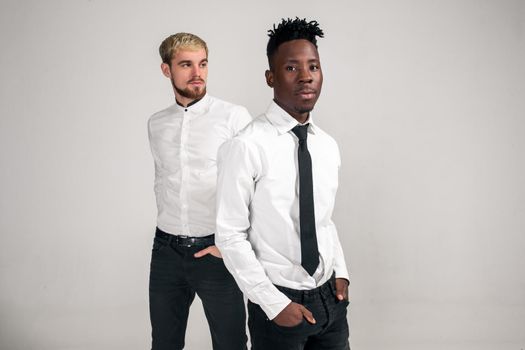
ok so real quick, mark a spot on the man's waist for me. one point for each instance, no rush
(184, 240)
(191, 225)
(294, 277)
(301, 295)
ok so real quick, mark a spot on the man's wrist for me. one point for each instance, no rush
(278, 304)
(280, 311)
(344, 279)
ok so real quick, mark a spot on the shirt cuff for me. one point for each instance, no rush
(276, 303)
(342, 272)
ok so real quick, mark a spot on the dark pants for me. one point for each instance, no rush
(330, 331)
(175, 277)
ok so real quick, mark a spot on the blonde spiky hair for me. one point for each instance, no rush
(175, 42)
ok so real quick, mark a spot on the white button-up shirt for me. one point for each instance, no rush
(184, 143)
(258, 209)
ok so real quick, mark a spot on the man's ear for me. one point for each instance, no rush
(269, 78)
(165, 68)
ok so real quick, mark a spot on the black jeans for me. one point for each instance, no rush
(329, 332)
(175, 277)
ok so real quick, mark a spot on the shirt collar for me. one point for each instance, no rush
(197, 106)
(283, 121)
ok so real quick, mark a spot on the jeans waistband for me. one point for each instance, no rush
(186, 241)
(297, 295)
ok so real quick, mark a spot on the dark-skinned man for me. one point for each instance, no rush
(275, 196)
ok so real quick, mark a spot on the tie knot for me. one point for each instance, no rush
(301, 131)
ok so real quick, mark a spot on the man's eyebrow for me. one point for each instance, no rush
(189, 61)
(291, 60)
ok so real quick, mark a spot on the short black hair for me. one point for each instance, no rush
(292, 29)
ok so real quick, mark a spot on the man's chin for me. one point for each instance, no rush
(304, 109)
(193, 94)
(198, 95)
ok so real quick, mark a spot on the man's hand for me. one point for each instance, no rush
(213, 250)
(292, 315)
(341, 289)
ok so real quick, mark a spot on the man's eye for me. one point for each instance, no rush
(204, 65)
(290, 68)
(314, 67)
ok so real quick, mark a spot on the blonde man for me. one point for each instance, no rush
(184, 140)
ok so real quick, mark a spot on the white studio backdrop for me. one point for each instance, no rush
(425, 98)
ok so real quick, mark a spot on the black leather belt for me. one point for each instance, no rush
(186, 241)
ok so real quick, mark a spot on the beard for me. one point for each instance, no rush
(304, 109)
(191, 93)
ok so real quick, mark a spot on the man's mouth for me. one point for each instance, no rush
(196, 82)
(306, 94)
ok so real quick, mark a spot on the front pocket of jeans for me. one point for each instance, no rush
(213, 258)
(158, 244)
(290, 330)
(343, 303)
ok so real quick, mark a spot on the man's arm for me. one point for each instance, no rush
(240, 117)
(156, 159)
(342, 279)
(238, 168)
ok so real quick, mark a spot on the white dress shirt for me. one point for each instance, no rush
(184, 143)
(258, 209)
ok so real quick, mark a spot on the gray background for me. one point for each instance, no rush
(426, 100)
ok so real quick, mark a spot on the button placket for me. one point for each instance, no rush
(184, 175)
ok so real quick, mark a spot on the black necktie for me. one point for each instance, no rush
(309, 251)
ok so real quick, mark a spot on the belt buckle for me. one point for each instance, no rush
(185, 239)
(180, 239)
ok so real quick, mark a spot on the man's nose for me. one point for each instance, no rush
(196, 70)
(305, 76)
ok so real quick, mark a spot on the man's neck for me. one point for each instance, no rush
(300, 117)
(186, 102)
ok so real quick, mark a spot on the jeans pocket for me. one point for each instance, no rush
(297, 329)
(159, 244)
(212, 257)
(344, 303)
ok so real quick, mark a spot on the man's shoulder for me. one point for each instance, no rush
(162, 114)
(257, 130)
(235, 116)
(224, 105)
(248, 140)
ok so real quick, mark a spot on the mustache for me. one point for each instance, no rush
(195, 80)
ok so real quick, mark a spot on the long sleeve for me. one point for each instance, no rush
(238, 168)
(156, 160)
(340, 268)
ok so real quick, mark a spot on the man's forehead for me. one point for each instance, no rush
(298, 47)
(192, 54)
